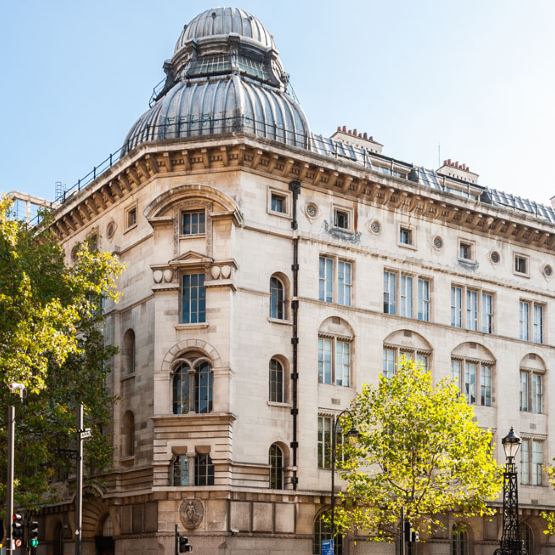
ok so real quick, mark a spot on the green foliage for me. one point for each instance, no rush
(419, 450)
(550, 516)
(51, 341)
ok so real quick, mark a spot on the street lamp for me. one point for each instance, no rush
(510, 543)
(353, 433)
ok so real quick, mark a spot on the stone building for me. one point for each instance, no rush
(270, 272)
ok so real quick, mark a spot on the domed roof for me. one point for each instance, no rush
(224, 21)
(225, 77)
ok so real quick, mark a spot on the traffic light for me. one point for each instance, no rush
(409, 533)
(184, 545)
(17, 529)
(33, 534)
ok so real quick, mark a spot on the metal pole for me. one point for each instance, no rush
(402, 533)
(510, 539)
(175, 542)
(9, 485)
(333, 447)
(79, 495)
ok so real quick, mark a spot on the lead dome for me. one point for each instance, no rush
(225, 76)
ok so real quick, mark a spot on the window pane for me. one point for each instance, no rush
(204, 470)
(276, 382)
(342, 363)
(524, 320)
(538, 323)
(344, 282)
(472, 309)
(424, 299)
(456, 306)
(180, 390)
(324, 360)
(324, 441)
(485, 385)
(487, 313)
(326, 279)
(456, 366)
(537, 463)
(278, 203)
(193, 299)
(424, 360)
(525, 462)
(389, 292)
(470, 382)
(193, 222)
(276, 467)
(537, 393)
(406, 296)
(388, 362)
(524, 390)
(181, 471)
(203, 388)
(277, 299)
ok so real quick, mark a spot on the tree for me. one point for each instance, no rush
(51, 341)
(550, 516)
(419, 450)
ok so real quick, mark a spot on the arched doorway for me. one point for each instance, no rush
(104, 542)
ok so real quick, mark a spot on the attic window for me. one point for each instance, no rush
(193, 222)
(341, 219)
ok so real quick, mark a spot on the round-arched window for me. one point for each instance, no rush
(192, 386)
(276, 467)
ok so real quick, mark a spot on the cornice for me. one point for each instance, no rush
(276, 161)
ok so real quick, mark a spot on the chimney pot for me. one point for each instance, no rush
(344, 129)
(354, 131)
(365, 135)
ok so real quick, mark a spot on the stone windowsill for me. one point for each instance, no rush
(199, 326)
(279, 405)
(280, 322)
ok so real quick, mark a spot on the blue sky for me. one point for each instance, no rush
(475, 77)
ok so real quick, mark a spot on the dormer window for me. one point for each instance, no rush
(193, 222)
(341, 219)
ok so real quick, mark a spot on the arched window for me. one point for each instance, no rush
(276, 467)
(405, 343)
(527, 537)
(459, 540)
(192, 386)
(277, 381)
(532, 378)
(204, 470)
(128, 434)
(322, 532)
(472, 369)
(180, 471)
(128, 352)
(277, 299)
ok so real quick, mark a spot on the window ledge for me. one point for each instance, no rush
(130, 228)
(521, 274)
(280, 322)
(469, 264)
(127, 461)
(197, 326)
(128, 377)
(407, 246)
(191, 235)
(280, 214)
(280, 405)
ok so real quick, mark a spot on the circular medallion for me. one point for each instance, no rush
(438, 242)
(375, 227)
(547, 270)
(191, 512)
(111, 229)
(495, 257)
(311, 210)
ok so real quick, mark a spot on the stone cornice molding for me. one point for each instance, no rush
(264, 157)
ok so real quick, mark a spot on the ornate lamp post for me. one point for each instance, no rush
(353, 433)
(510, 543)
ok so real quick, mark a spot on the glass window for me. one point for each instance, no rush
(277, 299)
(406, 296)
(470, 382)
(423, 360)
(456, 306)
(388, 362)
(487, 312)
(204, 470)
(485, 385)
(180, 389)
(193, 299)
(326, 279)
(525, 462)
(277, 390)
(465, 251)
(180, 471)
(341, 219)
(531, 462)
(537, 393)
(324, 360)
(538, 323)
(131, 217)
(521, 264)
(277, 203)
(342, 362)
(537, 463)
(322, 533)
(524, 391)
(325, 425)
(193, 222)
(424, 299)
(459, 541)
(389, 292)
(405, 236)
(456, 367)
(471, 309)
(344, 282)
(524, 320)
(276, 467)
(203, 387)
(128, 352)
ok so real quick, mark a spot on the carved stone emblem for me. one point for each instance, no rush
(191, 512)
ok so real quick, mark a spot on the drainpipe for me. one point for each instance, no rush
(295, 188)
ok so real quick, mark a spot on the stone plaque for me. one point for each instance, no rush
(191, 513)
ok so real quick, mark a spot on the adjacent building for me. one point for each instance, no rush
(270, 272)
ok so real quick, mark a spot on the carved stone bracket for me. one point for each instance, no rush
(336, 233)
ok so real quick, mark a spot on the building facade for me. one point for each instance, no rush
(270, 272)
